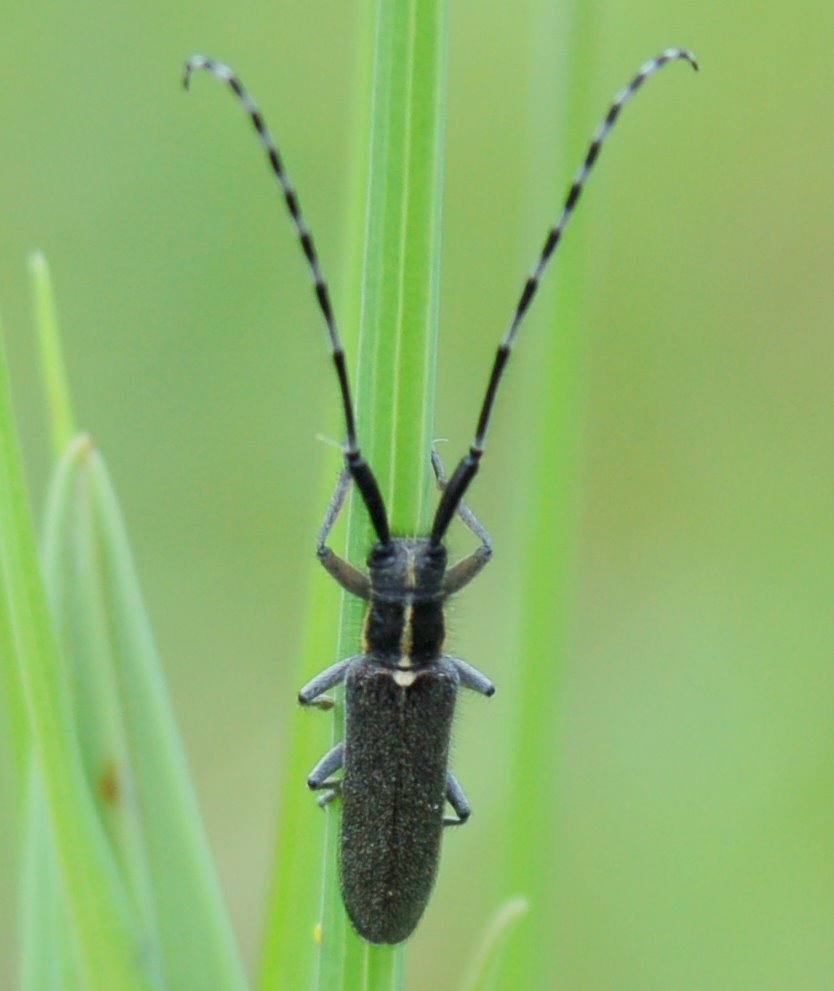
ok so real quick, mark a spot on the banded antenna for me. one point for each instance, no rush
(468, 466)
(356, 464)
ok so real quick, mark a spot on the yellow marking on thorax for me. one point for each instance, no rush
(411, 571)
(406, 637)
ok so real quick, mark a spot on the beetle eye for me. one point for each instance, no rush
(381, 554)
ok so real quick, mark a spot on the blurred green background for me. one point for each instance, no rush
(696, 724)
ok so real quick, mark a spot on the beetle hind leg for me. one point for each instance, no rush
(332, 761)
(457, 799)
(333, 791)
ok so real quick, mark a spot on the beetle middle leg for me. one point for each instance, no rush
(313, 692)
(471, 677)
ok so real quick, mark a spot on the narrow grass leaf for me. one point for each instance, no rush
(291, 950)
(141, 788)
(198, 947)
(290, 947)
(395, 384)
(548, 528)
(53, 369)
(394, 402)
(483, 972)
(72, 572)
(48, 953)
(108, 934)
(13, 705)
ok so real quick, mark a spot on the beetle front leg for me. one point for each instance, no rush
(346, 575)
(465, 570)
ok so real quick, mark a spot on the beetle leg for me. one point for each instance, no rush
(471, 677)
(459, 802)
(311, 693)
(332, 761)
(319, 777)
(465, 570)
(334, 790)
(464, 512)
(346, 575)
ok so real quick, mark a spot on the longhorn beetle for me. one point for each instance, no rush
(400, 692)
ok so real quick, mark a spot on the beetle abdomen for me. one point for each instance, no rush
(393, 793)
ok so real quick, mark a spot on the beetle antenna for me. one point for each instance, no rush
(468, 466)
(357, 465)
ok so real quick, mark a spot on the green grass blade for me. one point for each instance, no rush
(105, 926)
(385, 967)
(484, 969)
(398, 329)
(72, 572)
(290, 951)
(48, 955)
(198, 946)
(59, 402)
(123, 719)
(395, 396)
(398, 336)
(562, 125)
(290, 947)
(13, 703)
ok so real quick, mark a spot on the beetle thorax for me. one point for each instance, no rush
(404, 626)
